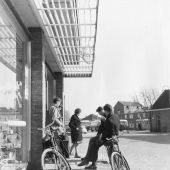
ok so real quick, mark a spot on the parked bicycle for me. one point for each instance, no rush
(117, 160)
(51, 157)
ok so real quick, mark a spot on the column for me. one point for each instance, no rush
(37, 97)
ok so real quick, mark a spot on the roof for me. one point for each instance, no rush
(163, 100)
(125, 103)
(90, 117)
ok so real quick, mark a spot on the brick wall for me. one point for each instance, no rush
(37, 60)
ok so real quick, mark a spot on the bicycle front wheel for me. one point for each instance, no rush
(50, 159)
(118, 162)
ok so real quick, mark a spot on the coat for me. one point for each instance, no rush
(111, 126)
(75, 126)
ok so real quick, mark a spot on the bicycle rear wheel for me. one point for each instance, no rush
(52, 160)
(118, 162)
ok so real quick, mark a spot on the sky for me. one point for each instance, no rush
(132, 53)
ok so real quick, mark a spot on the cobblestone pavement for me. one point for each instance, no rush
(143, 150)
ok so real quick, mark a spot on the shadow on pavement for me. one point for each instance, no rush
(160, 138)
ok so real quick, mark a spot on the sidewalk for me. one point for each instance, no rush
(100, 166)
(103, 162)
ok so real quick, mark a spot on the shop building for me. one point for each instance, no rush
(160, 113)
(41, 43)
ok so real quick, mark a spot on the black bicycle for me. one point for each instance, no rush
(51, 157)
(117, 160)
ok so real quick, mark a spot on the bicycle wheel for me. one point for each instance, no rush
(118, 162)
(50, 159)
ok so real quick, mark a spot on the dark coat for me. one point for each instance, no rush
(101, 127)
(111, 126)
(76, 131)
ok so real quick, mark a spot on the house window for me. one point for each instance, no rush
(131, 116)
(125, 116)
(138, 116)
(144, 115)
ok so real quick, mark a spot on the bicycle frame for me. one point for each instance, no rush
(113, 148)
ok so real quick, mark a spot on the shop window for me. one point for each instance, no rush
(12, 94)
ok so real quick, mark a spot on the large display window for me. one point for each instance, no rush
(14, 95)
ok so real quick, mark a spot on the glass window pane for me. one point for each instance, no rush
(12, 84)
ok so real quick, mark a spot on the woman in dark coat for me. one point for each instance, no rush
(76, 131)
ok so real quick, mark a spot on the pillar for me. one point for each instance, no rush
(37, 97)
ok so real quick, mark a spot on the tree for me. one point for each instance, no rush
(147, 97)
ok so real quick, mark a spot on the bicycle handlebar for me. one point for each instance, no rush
(49, 125)
(114, 138)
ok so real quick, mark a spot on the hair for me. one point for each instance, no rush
(56, 99)
(108, 107)
(99, 109)
(77, 111)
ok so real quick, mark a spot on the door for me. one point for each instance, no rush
(158, 123)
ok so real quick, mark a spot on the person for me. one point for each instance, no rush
(60, 134)
(76, 131)
(54, 111)
(95, 141)
(110, 128)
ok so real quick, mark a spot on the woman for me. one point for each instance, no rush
(76, 131)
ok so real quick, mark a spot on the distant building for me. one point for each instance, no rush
(160, 113)
(134, 113)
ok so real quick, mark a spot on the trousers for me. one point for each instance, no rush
(92, 152)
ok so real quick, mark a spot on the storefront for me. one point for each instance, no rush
(14, 91)
(41, 43)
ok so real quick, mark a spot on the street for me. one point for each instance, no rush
(142, 149)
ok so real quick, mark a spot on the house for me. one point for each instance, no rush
(160, 113)
(134, 113)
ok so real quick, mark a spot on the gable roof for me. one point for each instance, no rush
(163, 100)
(125, 103)
(90, 117)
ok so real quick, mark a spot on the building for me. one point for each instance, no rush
(160, 113)
(134, 113)
(42, 42)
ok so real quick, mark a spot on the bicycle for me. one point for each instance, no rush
(117, 160)
(52, 158)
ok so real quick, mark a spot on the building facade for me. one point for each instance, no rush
(137, 117)
(160, 113)
(41, 43)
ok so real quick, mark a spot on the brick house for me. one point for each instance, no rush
(134, 113)
(160, 113)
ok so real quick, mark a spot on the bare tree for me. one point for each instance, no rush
(147, 97)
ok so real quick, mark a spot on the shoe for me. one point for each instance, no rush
(82, 158)
(77, 156)
(84, 162)
(91, 167)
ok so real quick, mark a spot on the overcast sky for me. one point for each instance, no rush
(132, 53)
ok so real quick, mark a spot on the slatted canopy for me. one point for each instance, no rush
(70, 26)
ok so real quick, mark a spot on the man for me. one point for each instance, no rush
(54, 111)
(56, 117)
(109, 128)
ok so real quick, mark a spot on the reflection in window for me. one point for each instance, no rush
(11, 93)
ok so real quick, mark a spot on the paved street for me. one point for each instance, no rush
(143, 150)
